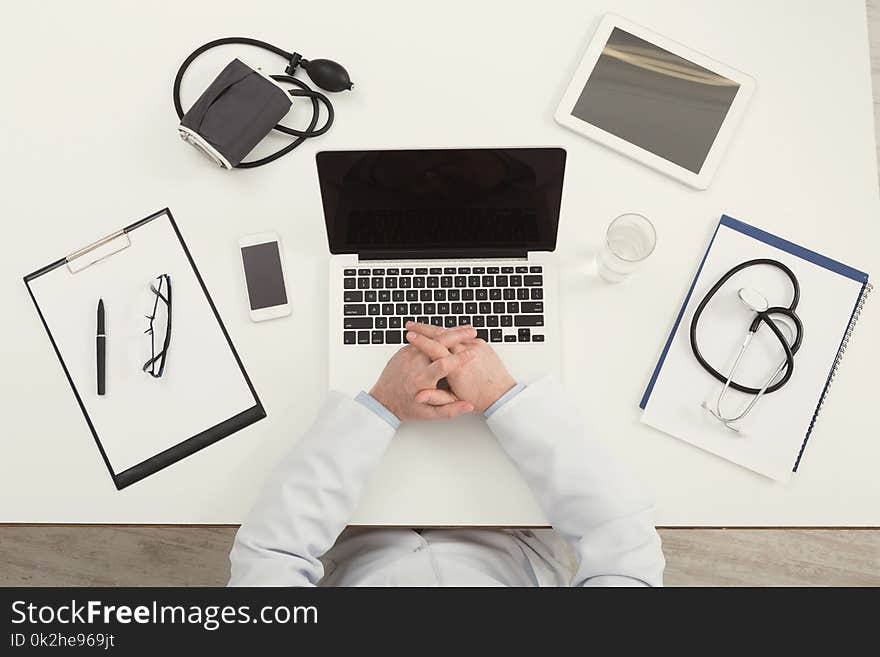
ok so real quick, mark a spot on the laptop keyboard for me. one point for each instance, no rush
(504, 303)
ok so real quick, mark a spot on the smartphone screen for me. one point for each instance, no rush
(262, 272)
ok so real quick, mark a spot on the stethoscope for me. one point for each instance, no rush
(776, 317)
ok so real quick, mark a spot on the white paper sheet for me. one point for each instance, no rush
(141, 416)
(774, 430)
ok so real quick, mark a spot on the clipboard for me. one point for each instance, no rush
(142, 424)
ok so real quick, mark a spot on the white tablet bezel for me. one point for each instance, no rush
(699, 180)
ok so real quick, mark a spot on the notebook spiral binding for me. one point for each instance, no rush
(837, 360)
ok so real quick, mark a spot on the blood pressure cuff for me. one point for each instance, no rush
(238, 109)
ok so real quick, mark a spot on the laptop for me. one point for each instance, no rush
(444, 237)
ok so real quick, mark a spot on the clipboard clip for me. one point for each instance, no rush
(98, 251)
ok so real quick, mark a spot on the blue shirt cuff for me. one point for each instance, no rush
(503, 399)
(376, 406)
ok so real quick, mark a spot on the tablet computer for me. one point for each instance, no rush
(655, 101)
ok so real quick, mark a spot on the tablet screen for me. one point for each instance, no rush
(656, 100)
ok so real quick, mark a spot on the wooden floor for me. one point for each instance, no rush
(191, 556)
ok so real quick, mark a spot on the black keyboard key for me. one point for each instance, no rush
(532, 307)
(485, 307)
(496, 335)
(363, 283)
(478, 321)
(406, 271)
(449, 270)
(433, 281)
(350, 272)
(535, 269)
(354, 310)
(537, 338)
(498, 307)
(482, 294)
(528, 320)
(421, 271)
(467, 295)
(376, 282)
(384, 295)
(393, 337)
(507, 270)
(464, 270)
(415, 309)
(524, 335)
(449, 321)
(349, 337)
(353, 297)
(363, 337)
(437, 321)
(349, 283)
(454, 295)
(494, 294)
(487, 281)
(392, 272)
(373, 309)
(422, 319)
(381, 322)
(378, 272)
(370, 296)
(491, 270)
(483, 334)
(354, 323)
(391, 282)
(430, 308)
(537, 293)
(446, 281)
(436, 271)
(460, 281)
(470, 308)
(363, 272)
(512, 307)
(479, 270)
(408, 319)
(464, 320)
(425, 295)
(394, 322)
(404, 282)
(516, 281)
(522, 270)
(534, 280)
(506, 320)
(439, 295)
(377, 337)
(443, 308)
(419, 281)
(510, 338)
(401, 309)
(387, 308)
(502, 281)
(457, 308)
(413, 295)
(473, 281)
(492, 320)
(522, 293)
(397, 295)
(509, 294)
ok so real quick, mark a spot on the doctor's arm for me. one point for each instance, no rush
(312, 494)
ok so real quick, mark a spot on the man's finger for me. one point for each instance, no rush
(441, 368)
(447, 411)
(428, 330)
(431, 348)
(442, 343)
(435, 397)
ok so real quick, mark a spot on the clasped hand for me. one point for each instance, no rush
(409, 386)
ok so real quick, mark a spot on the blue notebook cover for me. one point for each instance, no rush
(795, 250)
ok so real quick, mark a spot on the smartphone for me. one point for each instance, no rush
(264, 276)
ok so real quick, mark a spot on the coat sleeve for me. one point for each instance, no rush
(310, 497)
(585, 492)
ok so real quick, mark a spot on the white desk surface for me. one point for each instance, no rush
(90, 144)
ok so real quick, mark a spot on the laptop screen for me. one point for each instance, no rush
(450, 201)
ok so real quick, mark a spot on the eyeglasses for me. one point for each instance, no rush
(159, 329)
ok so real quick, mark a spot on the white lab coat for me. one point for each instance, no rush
(593, 504)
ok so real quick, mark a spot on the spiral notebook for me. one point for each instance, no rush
(776, 432)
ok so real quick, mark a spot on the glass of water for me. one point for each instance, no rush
(630, 239)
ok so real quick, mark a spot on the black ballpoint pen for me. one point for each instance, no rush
(100, 343)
